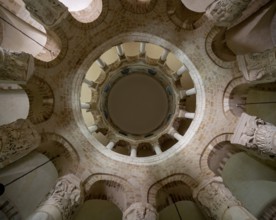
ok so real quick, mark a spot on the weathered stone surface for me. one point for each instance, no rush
(258, 66)
(214, 197)
(140, 211)
(217, 201)
(16, 140)
(254, 133)
(49, 13)
(62, 201)
(15, 67)
(224, 12)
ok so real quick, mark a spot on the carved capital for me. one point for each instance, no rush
(15, 67)
(49, 13)
(224, 12)
(140, 211)
(258, 66)
(16, 140)
(254, 133)
(265, 139)
(214, 197)
(66, 197)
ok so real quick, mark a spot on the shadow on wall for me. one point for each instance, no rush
(251, 181)
(98, 210)
(257, 100)
(188, 210)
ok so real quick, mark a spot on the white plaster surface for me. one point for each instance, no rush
(13, 106)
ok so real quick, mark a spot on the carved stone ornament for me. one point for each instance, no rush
(49, 13)
(66, 196)
(254, 133)
(214, 198)
(224, 12)
(16, 140)
(140, 211)
(258, 66)
(15, 67)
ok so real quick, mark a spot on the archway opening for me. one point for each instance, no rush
(175, 200)
(98, 210)
(254, 99)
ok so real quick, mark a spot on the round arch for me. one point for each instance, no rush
(65, 158)
(111, 188)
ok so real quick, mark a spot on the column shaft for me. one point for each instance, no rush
(189, 115)
(217, 202)
(92, 128)
(142, 50)
(191, 91)
(164, 55)
(181, 70)
(185, 93)
(62, 202)
(90, 83)
(85, 105)
(120, 50)
(184, 114)
(177, 136)
(157, 149)
(101, 63)
(133, 151)
(110, 145)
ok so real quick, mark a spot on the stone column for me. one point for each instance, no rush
(218, 203)
(258, 66)
(140, 211)
(17, 139)
(15, 67)
(254, 133)
(48, 13)
(62, 202)
(224, 12)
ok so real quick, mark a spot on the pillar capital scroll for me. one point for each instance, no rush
(140, 211)
(254, 133)
(214, 198)
(63, 201)
(217, 202)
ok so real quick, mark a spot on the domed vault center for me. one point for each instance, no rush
(138, 109)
